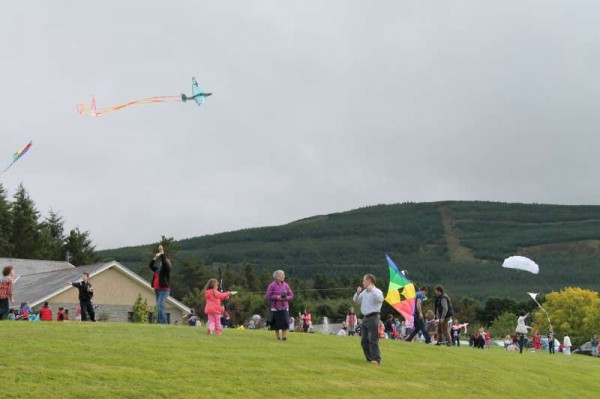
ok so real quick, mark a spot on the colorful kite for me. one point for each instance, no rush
(401, 293)
(17, 155)
(197, 95)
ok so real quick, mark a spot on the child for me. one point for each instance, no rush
(455, 333)
(488, 339)
(351, 321)
(24, 312)
(213, 305)
(537, 341)
(60, 315)
(192, 318)
(507, 342)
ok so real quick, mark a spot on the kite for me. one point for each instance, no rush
(198, 96)
(401, 292)
(533, 296)
(17, 155)
(521, 263)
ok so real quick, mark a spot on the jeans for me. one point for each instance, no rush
(161, 297)
(4, 308)
(551, 345)
(369, 338)
(419, 326)
(521, 342)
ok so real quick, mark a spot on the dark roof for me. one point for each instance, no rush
(35, 288)
(24, 267)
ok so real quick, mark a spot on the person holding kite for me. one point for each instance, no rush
(522, 329)
(419, 318)
(370, 300)
(443, 312)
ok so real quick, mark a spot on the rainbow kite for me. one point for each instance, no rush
(401, 293)
(17, 155)
(198, 96)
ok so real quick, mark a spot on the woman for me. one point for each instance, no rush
(306, 320)
(279, 294)
(522, 329)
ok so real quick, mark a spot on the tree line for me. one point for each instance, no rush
(25, 234)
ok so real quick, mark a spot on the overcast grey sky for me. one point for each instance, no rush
(318, 107)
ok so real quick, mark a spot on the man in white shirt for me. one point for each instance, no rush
(370, 300)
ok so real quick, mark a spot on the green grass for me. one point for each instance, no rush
(114, 360)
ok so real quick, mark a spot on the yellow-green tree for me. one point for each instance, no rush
(574, 311)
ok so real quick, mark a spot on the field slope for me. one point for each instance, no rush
(114, 360)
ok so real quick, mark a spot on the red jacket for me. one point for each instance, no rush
(46, 314)
(213, 300)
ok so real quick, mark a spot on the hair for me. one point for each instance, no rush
(86, 274)
(210, 284)
(46, 303)
(370, 277)
(277, 273)
(23, 304)
(7, 269)
(439, 288)
(522, 313)
(423, 289)
(61, 308)
(390, 317)
(192, 310)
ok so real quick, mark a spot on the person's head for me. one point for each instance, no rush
(390, 317)
(212, 284)
(61, 309)
(46, 304)
(86, 277)
(351, 310)
(424, 290)
(23, 304)
(454, 321)
(306, 310)
(66, 311)
(192, 310)
(439, 290)
(369, 280)
(522, 313)
(550, 328)
(279, 275)
(7, 271)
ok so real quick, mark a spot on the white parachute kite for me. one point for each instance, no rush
(521, 263)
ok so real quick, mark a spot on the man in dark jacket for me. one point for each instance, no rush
(161, 282)
(86, 293)
(443, 312)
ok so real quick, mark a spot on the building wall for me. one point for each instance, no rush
(114, 293)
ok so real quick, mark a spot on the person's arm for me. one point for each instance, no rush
(152, 265)
(420, 308)
(357, 298)
(290, 294)
(444, 305)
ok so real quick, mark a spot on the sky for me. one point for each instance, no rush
(318, 107)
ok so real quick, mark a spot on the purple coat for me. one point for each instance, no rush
(274, 291)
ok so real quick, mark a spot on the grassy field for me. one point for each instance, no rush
(114, 360)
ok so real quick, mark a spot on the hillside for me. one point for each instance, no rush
(459, 244)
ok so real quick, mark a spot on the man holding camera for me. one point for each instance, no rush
(279, 294)
(370, 300)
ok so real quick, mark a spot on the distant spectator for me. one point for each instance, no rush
(86, 294)
(292, 324)
(60, 315)
(192, 318)
(343, 331)
(6, 291)
(455, 333)
(444, 311)
(12, 314)
(24, 312)
(306, 320)
(224, 317)
(67, 315)
(488, 339)
(595, 344)
(550, 340)
(537, 341)
(478, 340)
(351, 321)
(507, 342)
(389, 326)
(46, 312)
(567, 345)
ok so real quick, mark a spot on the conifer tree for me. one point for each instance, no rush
(80, 248)
(6, 247)
(52, 237)
(25, 235)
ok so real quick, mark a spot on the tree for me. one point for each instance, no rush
(52, 238)
(494, 307)
(140, 310)
(80, 248)
(504, 325)
(25, 235)
(6, 247)
(574, 311)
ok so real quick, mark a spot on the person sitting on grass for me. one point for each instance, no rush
(192, 318)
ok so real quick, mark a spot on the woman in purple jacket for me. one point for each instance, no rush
(279, 294)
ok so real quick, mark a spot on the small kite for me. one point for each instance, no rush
(401, 292)
(17, 155)
(521, 263)
(198, 96)
(533, 296)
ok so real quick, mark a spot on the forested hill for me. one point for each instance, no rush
(459, 244)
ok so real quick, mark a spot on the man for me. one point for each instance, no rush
(161, 282)
(86, 293)
(6, 291)
(419, 318)
(443, 312)
(370, 300)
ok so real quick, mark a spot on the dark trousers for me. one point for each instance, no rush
(369, 338)
(4, 308)
(419, 326)
(456, 340)
(551, 345)
(521, 342)
(87, 308)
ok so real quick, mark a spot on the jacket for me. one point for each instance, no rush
(45, 313)
(213, 300)
(274, 291)
(162, 275)
(86, 291)
(440, 308)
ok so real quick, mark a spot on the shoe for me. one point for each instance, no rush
(375, 362)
